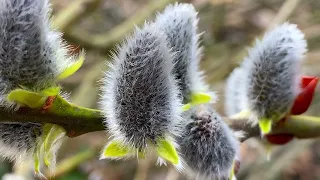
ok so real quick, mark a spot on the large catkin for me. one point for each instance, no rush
(31, 56)
(273, 71)
(140, 98)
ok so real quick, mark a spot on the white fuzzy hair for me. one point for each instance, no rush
(117, 71)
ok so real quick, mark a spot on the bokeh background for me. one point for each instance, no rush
(230, 27)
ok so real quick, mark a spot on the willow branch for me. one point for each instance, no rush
(73, 13)
(78, 120)
(70, 163)
(74, 125)
(106, 41)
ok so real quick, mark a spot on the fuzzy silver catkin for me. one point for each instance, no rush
(17, 138)
(31, 56)
(273, 71)
(140, 98)
(207, 145)
(236, 98)
(179, 23)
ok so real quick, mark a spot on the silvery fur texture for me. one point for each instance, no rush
(236, 98)
(207, 144)
(31, 56)
(179, 23)
(140, 97)
(273, 67)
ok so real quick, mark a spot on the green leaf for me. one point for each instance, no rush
(51, 134)
(72, 68)
(186, 107)
(28, 98)
(36, 158)
(115, 150)
(167, 151)
(196, 99)
(200, 98)
(52, 91)
(265, 125)
(232, 176)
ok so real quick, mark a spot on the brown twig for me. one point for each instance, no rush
(74, 12)
(106, 41)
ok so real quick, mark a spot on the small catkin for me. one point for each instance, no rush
(273, 71)
(140, 97)
(179, 23)
(207, 145)
(32, 56)
(236, 98)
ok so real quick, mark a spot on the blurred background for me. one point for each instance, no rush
(229, 27)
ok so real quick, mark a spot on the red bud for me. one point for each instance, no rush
(303, 100)
(236, 167)
(300, 105)
(279, 139)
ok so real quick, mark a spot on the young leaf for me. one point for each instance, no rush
(28, 98)
(167, 151)
(36, 157)
(232, 175)
(200, 98)
(51, 135)
(52, 91)
(186, 107)
(115, 150)
(196, 99)
(265, 125)
(71, 69)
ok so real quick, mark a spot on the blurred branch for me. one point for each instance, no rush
(107, 40)
(285, 11)
(142, 169)
(219, 2)
(302, 127)
(282, 159)
(84, 95)
(72, 162)
(74, 12)
(173, 174)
